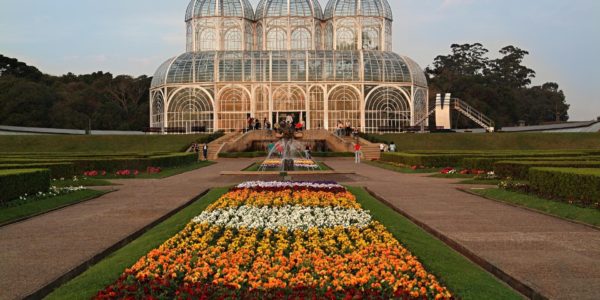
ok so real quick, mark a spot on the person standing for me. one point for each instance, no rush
(381, 147)
(357, 153)
(205, 151)
(392, 147)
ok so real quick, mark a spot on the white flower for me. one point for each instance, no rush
(290, 217)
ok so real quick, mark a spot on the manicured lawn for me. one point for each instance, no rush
(564, 210)
(108, 270)
(453, 176)
(462, 277)
(255, 167)
(140, 144)
(396, 168)
(88, 181)
(34, 207)
(481, 181)
(494, 141)
(168, 172)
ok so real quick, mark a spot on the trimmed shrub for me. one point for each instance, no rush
(520, 169)
(487, 163)
(580, 186)
(16, 183)
(57, 170)
(443, 160)
(141, 163)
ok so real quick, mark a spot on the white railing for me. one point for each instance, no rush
(473, 114)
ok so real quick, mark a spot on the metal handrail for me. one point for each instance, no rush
(473, 113)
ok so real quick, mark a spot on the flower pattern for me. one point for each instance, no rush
(305, 244)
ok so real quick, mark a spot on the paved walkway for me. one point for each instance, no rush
(40, 250)
(558, 258)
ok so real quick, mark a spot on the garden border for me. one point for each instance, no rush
(56, 208)
(48, 288)
(516, 284)
(529, 209)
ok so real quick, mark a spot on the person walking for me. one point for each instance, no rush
(392, 147)
(357, 153)
(205, 151)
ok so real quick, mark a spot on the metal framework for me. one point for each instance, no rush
(288, 57)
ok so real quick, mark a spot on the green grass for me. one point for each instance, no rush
(564, 210)
(460, 275)
(494, 141)
(481, 181)
(256, 166)
(108, 270)
(453, 176)
(167, 172)
(139, 144)
(34, 207)
(88, 181)
(399, 169)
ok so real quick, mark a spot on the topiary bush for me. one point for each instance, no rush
(16, 183)
(578, 186)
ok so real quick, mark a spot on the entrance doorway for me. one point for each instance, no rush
(296, 115)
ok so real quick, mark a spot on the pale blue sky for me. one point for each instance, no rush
(135, 36)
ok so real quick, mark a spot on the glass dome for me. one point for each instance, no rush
(252, 66)
(219, 8)
(353, 8)
(297, 8)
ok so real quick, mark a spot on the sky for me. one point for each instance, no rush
(135, 36)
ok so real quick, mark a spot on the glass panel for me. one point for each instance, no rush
(387, 110)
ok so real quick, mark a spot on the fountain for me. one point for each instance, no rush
(288, 154)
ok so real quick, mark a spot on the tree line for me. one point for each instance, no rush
(501, 88)
(32, 99)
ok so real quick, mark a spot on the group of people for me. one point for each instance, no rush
(256, 124)
(345, 129)
(196, 148)
(387, 147)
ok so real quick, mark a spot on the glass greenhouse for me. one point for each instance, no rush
(288, 57)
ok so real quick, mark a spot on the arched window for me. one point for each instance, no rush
(301, 39)
(233, 40)
(370, 39)
(289, 99)
(192, 110)
(158, 110)
(346, 39)
(387, 110)
(189, 37)
(207, 40)
(316, 113)
(420, 109)
(344, 106)
(234, 106)
(276, 39)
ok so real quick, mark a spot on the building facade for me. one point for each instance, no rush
(288, 57)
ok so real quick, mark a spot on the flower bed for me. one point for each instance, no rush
(280, 241)
(298, 163)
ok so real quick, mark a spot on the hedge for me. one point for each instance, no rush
(442, 160)
(16, 183)
(487, 163)
(581, 186)
(110, 164)
(520, 169)
(57, 170)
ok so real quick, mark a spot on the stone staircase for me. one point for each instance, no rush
(215, 147)
(370, 150)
